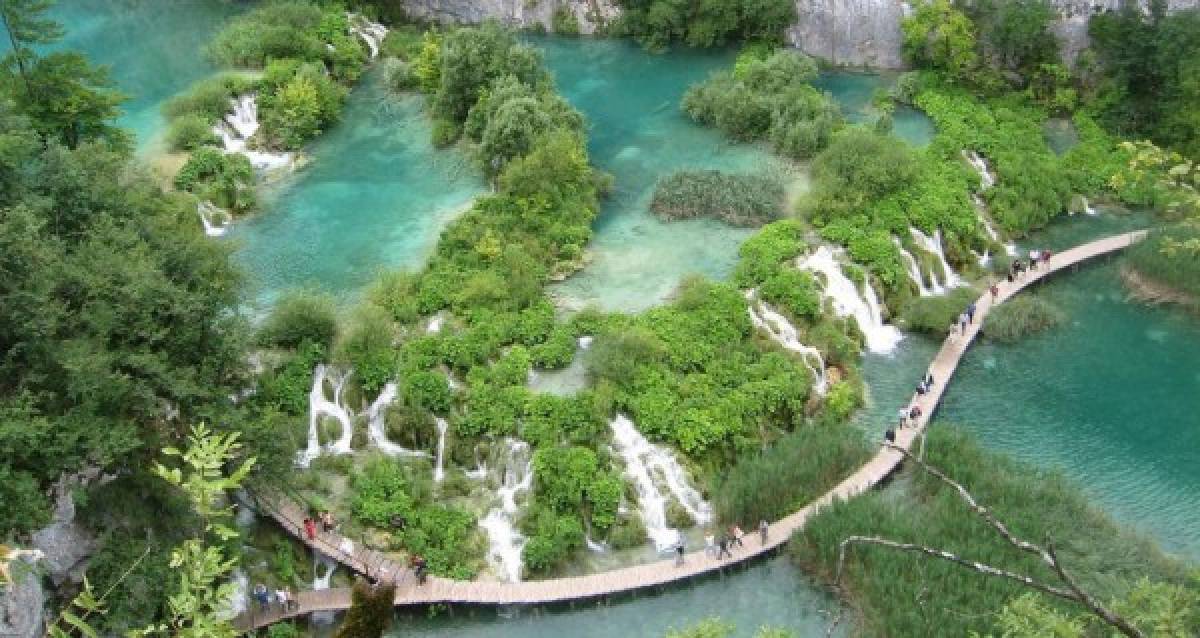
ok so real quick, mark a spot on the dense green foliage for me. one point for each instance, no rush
(300, 316)
(768, 96)
(1170, 256)
(226, 180)
(658, 23)
(796, 469)
(1149, 64)
(741, 200)
(934, 315)
(1020, 316)
(370, 611)
(894, 591)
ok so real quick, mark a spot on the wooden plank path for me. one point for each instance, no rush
(663, 572)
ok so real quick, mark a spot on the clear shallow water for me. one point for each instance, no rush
(375, 194)
(853, 91)
(154, 48)
(770, 593)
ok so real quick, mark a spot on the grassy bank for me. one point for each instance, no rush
(902, 594)
(1169, 259)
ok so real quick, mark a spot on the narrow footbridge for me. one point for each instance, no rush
(663, 572)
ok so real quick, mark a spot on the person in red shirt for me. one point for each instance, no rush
(310, 528)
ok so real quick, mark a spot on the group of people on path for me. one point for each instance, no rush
(325, 519)
(722, 547)
(1019, 267)
(908, 416)
(283, 597)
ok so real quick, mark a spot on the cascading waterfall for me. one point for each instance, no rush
(848, 301)
(585, 342)
(643, 461)
(1009, 248)
(505, 543)
(321, 581)
(914, 272)
(321, 406)
(216, 221)
(439, 471)
(238, 126)
(781, 331)
(986, 178)
(933, 245)
(372, 33)
(377, 424)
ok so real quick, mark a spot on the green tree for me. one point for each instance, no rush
(27, 27)
(939, 36)
(370, 611)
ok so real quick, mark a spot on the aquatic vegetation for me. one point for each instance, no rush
(741, 200)
(1021, 316)
(933, 315)
(300, 316)
(1170, 256)
(768, 96)
(893, 591)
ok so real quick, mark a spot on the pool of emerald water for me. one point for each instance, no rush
(154, 49)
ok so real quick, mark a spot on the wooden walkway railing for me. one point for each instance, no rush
(439, 590)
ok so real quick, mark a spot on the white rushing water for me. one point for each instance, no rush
(988, 228)
(849, 301)
(323, 568)
(914, 272)
(651, 468)
(781, 331)
(933, 245)
(239, 594)
(322, 406)
(986, 178)
(216, 221)
(372, 33)
(505, 543)
(377, 425)
(439, 471)
(1087, 206)
(238, 126)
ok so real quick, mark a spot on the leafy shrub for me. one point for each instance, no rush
(552, 420)
(1170, 256)
(367, 346)
(563, 21)
(286, 29)
(225, 179)
(189, 132)
(398, 76)
(395, 292)
(1020, 316)
(552, 539)
(208, 98)
(445, 132)
(286, 388)
(657, 23)
(741, 200)
(300, 316)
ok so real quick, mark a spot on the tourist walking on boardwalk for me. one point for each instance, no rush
(762, 530)
(914, 413)
(261, 595)
(327, 522)
(928, 381)
(890, 435)
(723, 548)
(710, 546)
(963, 320)
(736, 534)
(679, 553)
(995, 290)
(903, 414)
(1033, 259)
(284, 598)
(310, 529)
(1046, 257)
(971, 313)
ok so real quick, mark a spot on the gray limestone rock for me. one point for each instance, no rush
(23, 605)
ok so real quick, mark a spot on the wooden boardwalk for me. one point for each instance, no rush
(879, 467)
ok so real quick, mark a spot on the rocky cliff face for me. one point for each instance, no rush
(844, 32)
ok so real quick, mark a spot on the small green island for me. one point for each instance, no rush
(727, 318)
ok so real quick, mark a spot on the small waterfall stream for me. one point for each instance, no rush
(933, 245)
(848, 301)
(505, 543)
(319, 405)
(986, 178)
(1087, 206)
(215, 220)
(239, 596)
(439, 471)
(321, 580)
(644, 462)
(372, 33)
(781, 331)
(914, 271)
(238, 126)
(377, 424)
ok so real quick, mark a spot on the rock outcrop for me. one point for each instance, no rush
(23, 605)
(66, 543)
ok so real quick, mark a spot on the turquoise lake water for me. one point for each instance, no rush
(152, 46)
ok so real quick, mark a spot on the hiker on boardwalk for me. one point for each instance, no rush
(928, 381)
(890, 435)
(284, 598)
(710, 546)
(903, 417)
(723, 548)
(995, 290)
(963, 320)
(419, 566)
(679, 553)
(921, 388)
(327, 522)
(1033, 259)
(971, 312)
(735, 535)
(310, 529)
(953, 329)
(762, 530)
(261, 595)
(914, 413)
(1046, 257)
